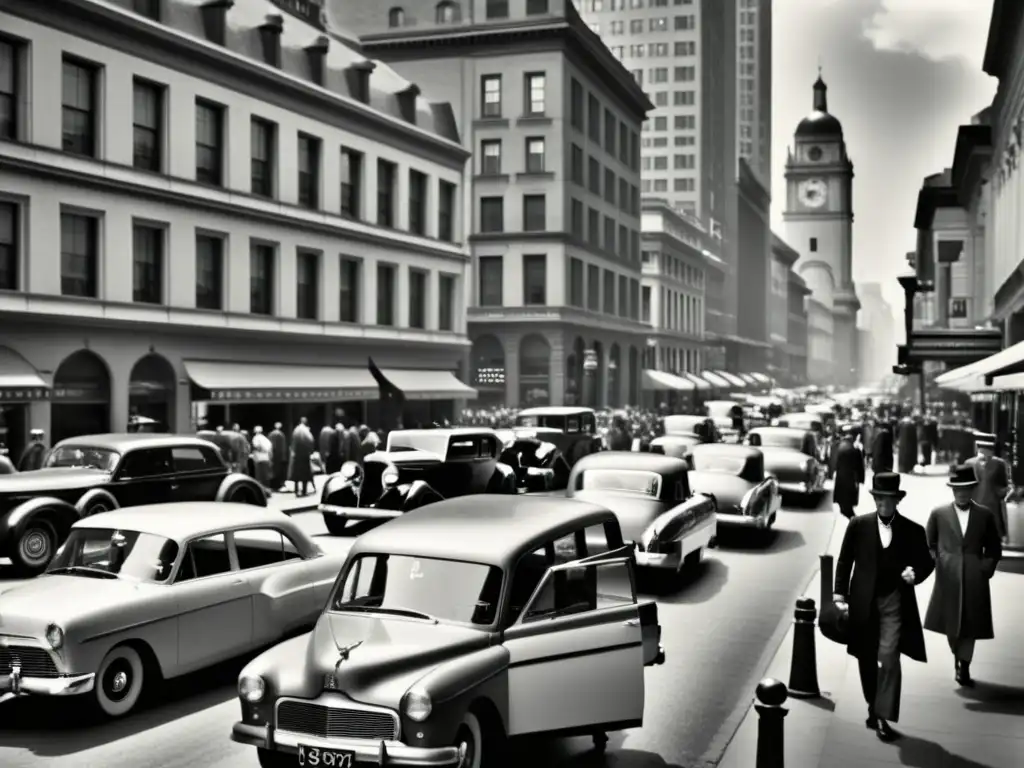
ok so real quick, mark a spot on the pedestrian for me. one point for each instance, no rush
(888, 556)
(993, 475)
(881, 449)
(300, 469)
(335, 451)
(906, 446)
(6, 465)
(849, 471)
(324, 441)
(34, 453)
(867, 435)
(929, 439)
(262, 457)
(964, 540)
(279, 457)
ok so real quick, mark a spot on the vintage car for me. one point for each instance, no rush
(791, 455)
(434, 649)
(811, 422)
(724, 412)
(572, 430)
(683, 431)
(150, 593)
(82, 476)
(417, 467)
(538, 464)
(650, 494)
(735, 476)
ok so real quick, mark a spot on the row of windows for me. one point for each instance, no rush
(621, 242)
(492, 214)
(534, 96)
(660, 142)
(674, 267)
(660, 162)
(603, 182)
(492, 157)
(81, 129)
(682, 312)
(675, 359)
(594, 289)
(447, 12)
(679, 74)
(679, 98)
(679, 184)
(657, 24)
(679, 123)
(655, 50)
(617, 139)
(596, 6)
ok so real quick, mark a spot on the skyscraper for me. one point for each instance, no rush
(754, 85)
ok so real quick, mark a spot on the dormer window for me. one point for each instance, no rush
(396, 18)
(447, 13)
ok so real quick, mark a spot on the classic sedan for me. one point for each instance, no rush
(650, 494)
(147, 593)
(791, 455)
(83, 476)
(572, 430)
(537, 462)
(435, 649)
(687, 425)
(418, 467)
(735, 476)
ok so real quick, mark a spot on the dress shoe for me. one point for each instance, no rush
(886, 732)
(963, 674)
(871, 723)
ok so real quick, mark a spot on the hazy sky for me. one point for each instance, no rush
(901, 75)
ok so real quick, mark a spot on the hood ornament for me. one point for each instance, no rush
(331, 681)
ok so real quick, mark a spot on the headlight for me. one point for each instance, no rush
(352, 472)
(417, 705)
(55, 637)
(389, 477)
(251, 688)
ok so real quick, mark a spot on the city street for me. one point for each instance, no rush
(720, 630)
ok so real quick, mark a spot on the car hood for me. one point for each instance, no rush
(635, 512)
(409, 458)
(69, 601)
(41, 480)
(729, 490)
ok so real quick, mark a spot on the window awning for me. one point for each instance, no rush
(19, 381)
(1011, 382)
(262, 383)
(761, 378)
(655, 380)
(971, 378)
(715, 380)
(733, 379)
(698, 382)
(749, 378)
(428, 385)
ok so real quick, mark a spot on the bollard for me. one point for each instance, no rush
(771, 752)
(827, 579)
(803, 669)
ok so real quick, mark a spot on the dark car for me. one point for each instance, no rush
(735, 476)
(83, 476)
(418, 467)
(572, 430)
(535, 458)
(791, 455)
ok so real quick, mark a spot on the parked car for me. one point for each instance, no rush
(650, 495)
(572, 430)
(791, 455)
(735, 476)
(538, 464)
(811, 422)
(434, 649)
(726, 415)
(688, 425)
(418, 467)
(83, 476)
(154, 592)
(675, 445)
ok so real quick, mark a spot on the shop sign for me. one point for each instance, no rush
(291, 395)
(81, 392)
(490, 376)
(23, 394)
(590, 360)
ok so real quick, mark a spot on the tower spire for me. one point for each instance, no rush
(820, 94)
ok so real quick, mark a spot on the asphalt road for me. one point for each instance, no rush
(720, 630)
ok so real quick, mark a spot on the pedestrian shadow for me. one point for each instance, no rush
(993, 698)
(915, 752)
(704, 583)
(578, 753)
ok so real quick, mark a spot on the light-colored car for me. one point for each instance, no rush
(147, 593)
(791, 456)
(454, 628)
(572, 430)
(747, 496)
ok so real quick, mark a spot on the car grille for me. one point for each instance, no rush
(336, 722)
(34, 662)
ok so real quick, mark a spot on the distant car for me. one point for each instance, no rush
(149, 593)
(675, 445)
(435, 649)
(572, 430)
(83, 476)
(725, 413)
(418, 467)
(735, 476)
(537, 463)
(688, 425)
(791, 455)
(650, 494)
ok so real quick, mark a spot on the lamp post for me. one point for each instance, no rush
(590, 378)
(912, 286)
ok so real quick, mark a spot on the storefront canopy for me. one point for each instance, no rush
(428, 385)
(698, 382)
(660, 380)
(715, 380)
(733, 379)
(19, 381)
(761, 378)
(264, 383)
(971, 378)
(749, 378)
(1011, 382)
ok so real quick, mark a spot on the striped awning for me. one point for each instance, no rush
(715, 380)
(761, 378)
(749, 378)
(19, 381)
(733, 379)
(661, 380)
(230, 382)
(698, 382)
(428, 385)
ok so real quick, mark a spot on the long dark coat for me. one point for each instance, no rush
(324, 441)
(867, 436)
(859, 554)
(961, 604)
(907, 446)
(280, 457)
(881, 451)
(993, 484)
(849, 468)
(32, 457)
(299, 468)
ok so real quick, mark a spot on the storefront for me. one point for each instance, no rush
(21, 385)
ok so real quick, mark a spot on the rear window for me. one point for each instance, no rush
(629, 480)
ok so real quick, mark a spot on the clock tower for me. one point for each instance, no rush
(819, 225)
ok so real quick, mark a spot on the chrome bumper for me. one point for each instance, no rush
(359, 513)
(380, 753)
(799, 488)
(743, 521)
(660, 560)
(66, 685)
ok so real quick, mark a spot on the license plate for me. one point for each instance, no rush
(330, 758)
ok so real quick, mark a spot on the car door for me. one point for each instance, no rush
(198, 472)
(215, 612)
(576, 655)
(143, 477)
(279, 582)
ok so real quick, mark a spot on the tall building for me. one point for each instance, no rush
(819, 225)
(877, 323)
(216, 211)
(554, 121)
(754, 86)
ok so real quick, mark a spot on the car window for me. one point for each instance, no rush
(566, 549)
(597, 539)
(207, 556)
(259, 547)
(147, 462)
(463, 449)
(580, 589)
(529, 571)
(189, 458)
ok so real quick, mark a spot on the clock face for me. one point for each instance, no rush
(814, 153)
(813, 193)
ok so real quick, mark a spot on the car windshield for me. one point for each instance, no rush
(780, 440)
(631, 480)
(420, 587)
(112, 553)
(723, 463)
(82, 456)
(548, 421)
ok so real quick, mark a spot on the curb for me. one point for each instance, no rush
(297, 510)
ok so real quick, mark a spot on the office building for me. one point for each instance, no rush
(754, 86)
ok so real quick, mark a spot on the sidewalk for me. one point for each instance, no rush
(943, 726)
(286, 501)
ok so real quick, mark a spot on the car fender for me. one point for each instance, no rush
(236, 479)
(684, 518)
(95, 494)
(420, 494)
(14, 522)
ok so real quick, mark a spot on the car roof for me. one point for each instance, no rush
(482, 528)
(127, 441)
(780, 430)
(739, 450)
(649, 462)
(553, 410)
(185, 520)
(447, 432)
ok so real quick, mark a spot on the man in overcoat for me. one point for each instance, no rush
(300, 471)
(279, 457)
(888, 556)
(993, 475)
(34, 453)
(964, 541)
(906, 446)
(881, 449)
(849, 468)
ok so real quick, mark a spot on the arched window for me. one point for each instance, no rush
(396, 17)
(447, 12)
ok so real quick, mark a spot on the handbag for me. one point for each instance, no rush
(833, 622)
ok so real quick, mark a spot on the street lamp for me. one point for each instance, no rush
(589, 378)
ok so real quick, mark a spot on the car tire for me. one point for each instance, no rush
(270, 759)
(693, 560)
(34, 548)
(241, 494)
(336, 526)
(97, 507)
(481, 741)
(119, 682)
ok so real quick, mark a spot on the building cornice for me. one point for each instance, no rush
(929, 200)
(971, 157)
(1002, 33)
(751, 188)
(783, 251)
(538, 315)
(667, 239)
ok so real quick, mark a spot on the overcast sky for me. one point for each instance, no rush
(901, 75)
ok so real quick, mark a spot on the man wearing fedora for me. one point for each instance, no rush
(964, 540)
(993, 475)
(888, 556)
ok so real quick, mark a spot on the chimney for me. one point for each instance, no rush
(317, 55)
(358, 77)
(215, 15)
(270, 38)
(407, 102)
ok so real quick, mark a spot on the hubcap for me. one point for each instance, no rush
(35, 546)
(117, 682)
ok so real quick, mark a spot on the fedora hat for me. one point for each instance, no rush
(887, 484)
(962, 476)
(984, 440)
